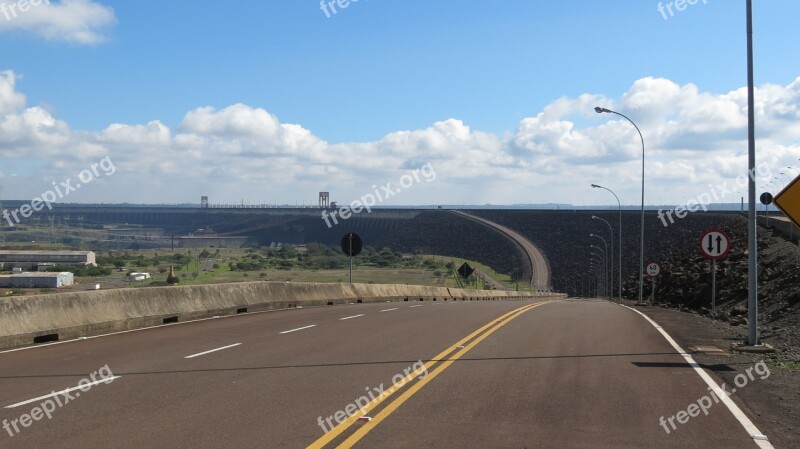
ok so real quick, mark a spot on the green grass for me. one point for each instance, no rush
(499, 277)
(412, 270)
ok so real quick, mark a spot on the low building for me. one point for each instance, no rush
(31, 259)
(37, 280)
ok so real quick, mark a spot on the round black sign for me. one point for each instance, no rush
(352, 244)
(766, 198)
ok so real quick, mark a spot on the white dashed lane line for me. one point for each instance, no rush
(298, 329)
(83, 386)
(211, 350)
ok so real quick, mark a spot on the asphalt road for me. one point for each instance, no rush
(488, 374)
(540, 278)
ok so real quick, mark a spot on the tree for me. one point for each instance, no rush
(172, 279)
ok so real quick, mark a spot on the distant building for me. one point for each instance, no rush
(30, 259)
(37, 280)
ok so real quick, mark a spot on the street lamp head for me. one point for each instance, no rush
(595, 186)
(600, 110)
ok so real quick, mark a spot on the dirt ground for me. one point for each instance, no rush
(772, 403)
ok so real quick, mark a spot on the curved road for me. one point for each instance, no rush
(540, 280)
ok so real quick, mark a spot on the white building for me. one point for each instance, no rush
(30, 259)
(37, 280)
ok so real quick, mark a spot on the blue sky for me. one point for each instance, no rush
(377, 69)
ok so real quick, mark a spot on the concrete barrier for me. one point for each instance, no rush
(31, 319)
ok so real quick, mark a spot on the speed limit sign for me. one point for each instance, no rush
(653, 269)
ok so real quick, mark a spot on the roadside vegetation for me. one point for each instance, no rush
(287, 263)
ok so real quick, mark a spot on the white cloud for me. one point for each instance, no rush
(693, 139)
(10, 99)
(76, 21)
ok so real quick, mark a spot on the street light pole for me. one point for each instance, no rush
(619, 269)
(752, 241)
(603, 264)
(600, 110)
(610, 254)
(609, 277)
(596, 272)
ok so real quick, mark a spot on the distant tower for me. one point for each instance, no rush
(324, 200)
(204, 202)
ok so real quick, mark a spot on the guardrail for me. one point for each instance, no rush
(41, 318)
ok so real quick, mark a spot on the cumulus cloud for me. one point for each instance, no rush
(245, 153)
(75, 21)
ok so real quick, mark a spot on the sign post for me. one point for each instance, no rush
(351, 245)
(653, 270)
(715, 245)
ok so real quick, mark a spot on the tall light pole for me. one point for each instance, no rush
(593, 270)
(600, 110)
(604, 263)
(611, 253)
(609, 277)
(619, 283)
(752, 228)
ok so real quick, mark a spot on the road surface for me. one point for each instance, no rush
(480, 374)
(540, 280)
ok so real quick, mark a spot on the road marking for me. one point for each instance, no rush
(298, 329)
(210, 351)
(388, 310)
(92, 337)
(419, 305)
(748, 425)
(350, 317)
(57, 393)
(491, 326)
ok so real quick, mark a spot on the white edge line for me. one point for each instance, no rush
(107, 380)
(350, 317)
(418, 305)
(212, 350)
(737, 413)
(388, 310)
(298, 329)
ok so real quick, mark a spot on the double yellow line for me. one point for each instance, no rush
(439, 363)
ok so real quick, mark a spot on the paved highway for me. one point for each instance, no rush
(539, 266)
(486, 374)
